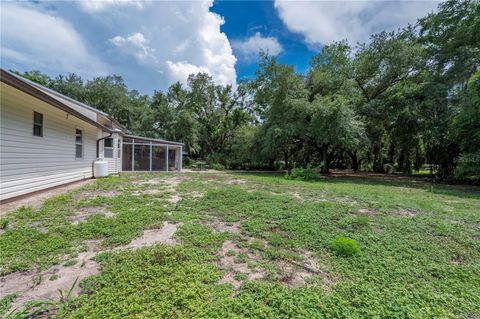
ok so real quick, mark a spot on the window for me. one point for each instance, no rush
(78, 144)
(119, 148)
(108, 147)
(37, 124)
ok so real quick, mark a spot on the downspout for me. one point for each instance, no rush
(98, 148)
(98, 152)
(101, 139)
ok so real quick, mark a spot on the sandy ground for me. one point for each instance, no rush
(37, 199)
(46, 285)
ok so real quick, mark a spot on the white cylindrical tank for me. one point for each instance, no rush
(100, 168)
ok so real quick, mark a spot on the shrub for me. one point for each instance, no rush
(187, 161)
(218, 166)
(344, 246)
(468, 167)
(388, 168)
(305, 174)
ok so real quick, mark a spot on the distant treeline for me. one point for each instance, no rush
(403, 100)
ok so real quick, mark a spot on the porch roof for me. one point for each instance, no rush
(142, 139)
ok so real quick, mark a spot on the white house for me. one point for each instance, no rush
(48, 139)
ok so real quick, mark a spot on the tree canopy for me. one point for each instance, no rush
(404, 99)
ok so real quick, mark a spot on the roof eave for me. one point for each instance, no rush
(24, 86)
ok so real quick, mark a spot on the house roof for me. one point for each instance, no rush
(40, 92)
(70, 105)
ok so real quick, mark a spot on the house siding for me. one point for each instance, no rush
(115, 162)
(30, 163)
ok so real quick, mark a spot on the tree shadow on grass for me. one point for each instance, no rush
(394, 181)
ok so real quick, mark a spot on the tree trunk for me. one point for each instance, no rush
(270, 164)
(285, 154)
(326, 164)
(401, 161)
(354, 159)
(377, 159)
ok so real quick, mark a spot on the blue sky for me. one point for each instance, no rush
(155, 43)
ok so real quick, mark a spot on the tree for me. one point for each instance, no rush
(452, 37)
(282, 97)
(333, 125)
(467, 130)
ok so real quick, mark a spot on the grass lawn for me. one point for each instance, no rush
(251, 246)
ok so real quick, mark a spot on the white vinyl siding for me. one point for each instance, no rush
(111, 155)
(29, 163)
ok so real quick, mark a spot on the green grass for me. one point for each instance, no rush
(419, 257)
(5, 302)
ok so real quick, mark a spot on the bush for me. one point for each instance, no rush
(305, 174)
(469, 167)
(388, 168)
(218, 166)
(187, 161)
(344, 246)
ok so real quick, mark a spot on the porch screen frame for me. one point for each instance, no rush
(151, 144)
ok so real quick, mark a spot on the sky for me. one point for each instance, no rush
(153, 44)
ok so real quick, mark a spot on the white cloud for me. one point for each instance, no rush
(151, 47)
(322, 22)
(135, 45)
(101, 5)
(251, 47)
(177, 39)
(34, 39)
(181, 70)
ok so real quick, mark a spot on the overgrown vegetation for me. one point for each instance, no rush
(402, 100)
(259, 246)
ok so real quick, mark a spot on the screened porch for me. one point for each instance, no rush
(145, 154)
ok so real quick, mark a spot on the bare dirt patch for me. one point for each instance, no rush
(366, 212)
(228, 261)
(85, 212)
(35, 286)
(147, 192)
(405, 212)
(196, 194)
(299, 273)
(92, 194)
(148, 182)
(346, 200)
(458, 260)
(220, 226)
(172, 184)
(293, 273)
(151, 237)
(312, 198)
(235, 181)
(174, 199)
(36, 200)
(297, 196)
